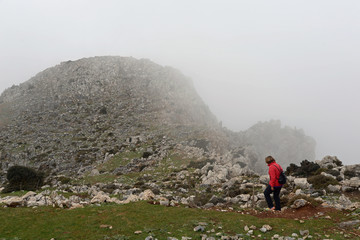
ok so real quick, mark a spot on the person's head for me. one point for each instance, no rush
(269, 159)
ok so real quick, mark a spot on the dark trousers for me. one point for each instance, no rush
(269, 201)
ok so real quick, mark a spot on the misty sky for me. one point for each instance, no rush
(250, 61)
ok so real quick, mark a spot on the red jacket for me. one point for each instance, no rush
(274, 174)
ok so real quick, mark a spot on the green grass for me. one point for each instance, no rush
(162, 169)
(102, 178)
(16, 194)
(121, 159)
(47, 223)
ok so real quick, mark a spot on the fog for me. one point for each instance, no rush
(250, 61)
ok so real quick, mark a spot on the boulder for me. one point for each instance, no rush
(100, 197)
(131, 198)
(215, 200)
(13, 201)
(328, 175)
(329, 161)
(302, 183)
(244, 197)
(264, 179)
(334, 188)
(267, 227)
(299, 203)
(353, 182)
(261, 204)
(353, 168)
(147, 195)
(164, 202)
(349, 224)
(76, 205)
(28, 195)
(94, 172)
(344, 201)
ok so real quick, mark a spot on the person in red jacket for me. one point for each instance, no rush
(274, 185)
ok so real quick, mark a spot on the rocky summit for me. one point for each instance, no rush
(69, 118)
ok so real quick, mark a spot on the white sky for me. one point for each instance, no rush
(251, 61)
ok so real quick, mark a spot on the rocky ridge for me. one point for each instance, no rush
(71, 117)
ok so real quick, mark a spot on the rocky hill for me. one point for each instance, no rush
(73, 116)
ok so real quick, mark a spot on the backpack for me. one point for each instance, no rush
(282, 177)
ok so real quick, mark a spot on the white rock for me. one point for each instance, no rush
(267, 227)
(264, 179)
(13, 201)
(164, 202)
(76, 205)
(263, 230)
(299, 203)
(101, 197)
(28, 195)
(334, 188)
(131, 198)
(353, 182)
(147, 195)
(299, 192)
(244, 197)
(94, 172)
(302, 183)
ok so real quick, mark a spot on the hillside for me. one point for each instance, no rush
(109, 131)
(73, 116)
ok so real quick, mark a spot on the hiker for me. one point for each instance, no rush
(274, 185)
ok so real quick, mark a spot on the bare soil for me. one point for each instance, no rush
(305, 212)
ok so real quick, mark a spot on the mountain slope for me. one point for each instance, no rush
(72, 114)
(70, 117)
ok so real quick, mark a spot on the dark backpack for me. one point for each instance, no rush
(282, 177)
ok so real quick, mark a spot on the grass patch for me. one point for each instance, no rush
(120, 159)
(15, 194)
(160, 221)
(102, 178)
(321, 181)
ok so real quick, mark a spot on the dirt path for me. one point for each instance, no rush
(305, 212)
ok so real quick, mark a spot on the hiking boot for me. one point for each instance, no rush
(270, 209)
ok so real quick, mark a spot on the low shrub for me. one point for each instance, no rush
(23, 178)
(109, 188)
(311, 200)
(202, 198)
(338, 162)
(64, 180)
(146, 154)
(236, 190)
(333, 172)
(321, 181)
(349, 174)
(306, 169)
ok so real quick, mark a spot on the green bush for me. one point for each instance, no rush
(349, 174)
(321, 181)
(290, 201)
(202, 198)
(306, 169)
(333, 172)
(338, 162)
(23, 178)
(64, 180)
